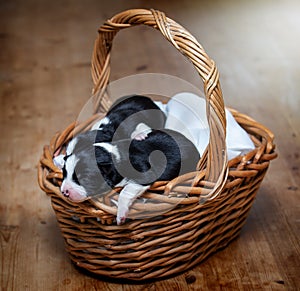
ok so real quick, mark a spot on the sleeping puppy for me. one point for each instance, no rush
(120, 122)
(95, 168)
(81, 174)
(97, 161)
(136, 164)
(125, 114)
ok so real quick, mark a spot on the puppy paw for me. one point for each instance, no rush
(122, 214)
(121, 217)
(121, 220)
(141, 136)
(141, 132)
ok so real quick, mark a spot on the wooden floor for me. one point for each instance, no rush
(45, 80)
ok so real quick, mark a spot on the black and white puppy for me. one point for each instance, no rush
(136, 164)
(97, 161)
(132, 163)
(125, 114)
(120, 123)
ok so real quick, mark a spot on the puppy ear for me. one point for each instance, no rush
(59, 161)
(71, 146)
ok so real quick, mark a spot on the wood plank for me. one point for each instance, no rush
(45, 80)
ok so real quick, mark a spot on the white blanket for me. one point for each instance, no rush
(186, 113)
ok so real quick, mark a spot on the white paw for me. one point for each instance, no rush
(141, 132)
(141, 136)
(122, 215)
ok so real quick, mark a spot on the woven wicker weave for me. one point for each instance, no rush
(172, 241)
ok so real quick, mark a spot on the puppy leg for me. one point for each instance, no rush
(141, 132)
(127, 196)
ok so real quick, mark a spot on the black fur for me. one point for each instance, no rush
(175, 155)
(87, 174)
(98, 171)
(126, 113)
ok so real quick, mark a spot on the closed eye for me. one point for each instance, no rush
(64, 172)
(66, 157)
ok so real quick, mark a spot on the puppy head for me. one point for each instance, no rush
(71, 187)
(88, 169)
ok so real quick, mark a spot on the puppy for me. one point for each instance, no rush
(162, 155)
(125, 114)
(81, 174)
(96, 161)
(119, 123)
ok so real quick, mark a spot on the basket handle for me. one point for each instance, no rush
(216, 159)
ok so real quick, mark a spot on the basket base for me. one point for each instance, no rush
(136, 280)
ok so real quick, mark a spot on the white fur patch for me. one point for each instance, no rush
(70, 166)
(59, 161)
(68, 183)
(75, 187)
(71, 146)
(124, 182)
(110, 148)
(126, 198)
(103, 121)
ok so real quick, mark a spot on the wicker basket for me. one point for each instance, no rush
(176, 240)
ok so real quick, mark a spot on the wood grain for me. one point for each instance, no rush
(45, 80)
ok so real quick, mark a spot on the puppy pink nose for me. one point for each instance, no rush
(66, 189)
(73, 192)
(66, 193)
